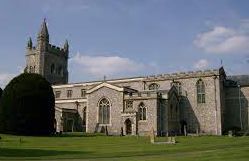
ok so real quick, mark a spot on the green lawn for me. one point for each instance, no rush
(78, 147)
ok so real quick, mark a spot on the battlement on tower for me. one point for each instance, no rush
(56, 49)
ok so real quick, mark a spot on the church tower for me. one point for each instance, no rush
(48, 60)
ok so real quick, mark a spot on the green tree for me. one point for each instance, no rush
(1, 91)
(27, 106)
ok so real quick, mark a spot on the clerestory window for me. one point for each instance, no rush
(83, 93)
(153, 86)
(69, 93)
(57, 94)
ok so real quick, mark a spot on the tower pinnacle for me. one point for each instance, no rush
(30, 44)
(66, 46)
(44, 30)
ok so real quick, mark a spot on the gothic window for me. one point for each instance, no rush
(153, 86)
(104, 111)
(57, 94)
(83, 93)
(142, 111)
(34, 70)
(52, 69)
(129, 104)
(200, 91)
(69, 93)
(178, 87)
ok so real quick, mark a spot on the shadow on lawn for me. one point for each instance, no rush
(10, 152)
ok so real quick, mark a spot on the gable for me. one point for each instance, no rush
(107, 85)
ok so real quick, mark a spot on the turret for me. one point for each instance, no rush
(43, 37)
(29, 43)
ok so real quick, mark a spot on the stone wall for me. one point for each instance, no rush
(33, 60)
(145, 126)
(116, 100)
(59, 60)
(204, 118)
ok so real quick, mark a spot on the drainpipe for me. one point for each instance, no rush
(240, 112)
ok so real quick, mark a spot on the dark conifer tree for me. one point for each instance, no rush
(27, 106)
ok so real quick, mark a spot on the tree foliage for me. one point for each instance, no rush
(27, 106)
(1, 91)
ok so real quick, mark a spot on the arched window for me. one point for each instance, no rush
(104, 111)
(153, 86)
(200, 91)
(142, 111)
(52, 69)
(178, 86)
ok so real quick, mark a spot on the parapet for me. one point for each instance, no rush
(182, 75)
(56, 50)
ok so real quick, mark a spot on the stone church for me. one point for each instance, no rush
(204, 102)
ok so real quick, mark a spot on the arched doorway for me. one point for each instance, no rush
(128, 128)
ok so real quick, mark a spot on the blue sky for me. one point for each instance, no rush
(125, 38)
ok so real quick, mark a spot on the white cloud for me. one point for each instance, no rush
(106, 65)
(5, 78)
(201, 64)
(224, 40)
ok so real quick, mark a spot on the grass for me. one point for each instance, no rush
(91, 147)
